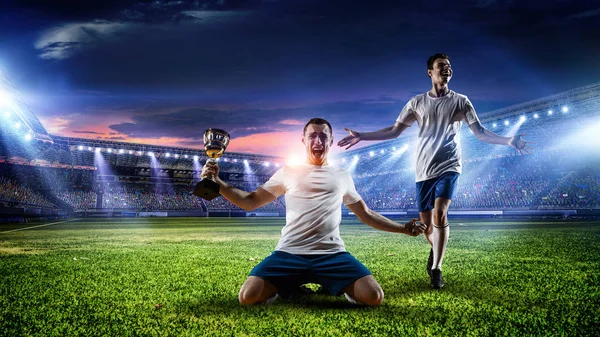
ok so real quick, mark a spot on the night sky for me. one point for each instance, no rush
(162, 72)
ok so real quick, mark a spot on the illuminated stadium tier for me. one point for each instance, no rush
(15, 116)
(562, 173)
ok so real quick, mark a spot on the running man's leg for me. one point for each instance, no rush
(441, 231)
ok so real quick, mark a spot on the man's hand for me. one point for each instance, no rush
(521, 144)
(414, 227)
(210, 169)
(350, 140)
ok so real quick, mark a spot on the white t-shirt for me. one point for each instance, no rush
(313, 200)
(439, 119)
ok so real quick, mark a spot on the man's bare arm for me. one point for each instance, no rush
(378, 221)
(245, 200)
(390, 132)
(487, 136)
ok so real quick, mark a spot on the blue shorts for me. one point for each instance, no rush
(288, 271)
(431, 189)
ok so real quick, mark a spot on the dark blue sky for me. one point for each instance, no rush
(162, 72)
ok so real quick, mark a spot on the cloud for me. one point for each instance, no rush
(87, 132)
(66, 40)
(586, 14)
(291, 122)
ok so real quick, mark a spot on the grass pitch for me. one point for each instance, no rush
(180, 277)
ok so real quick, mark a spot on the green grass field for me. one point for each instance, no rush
(180, 277)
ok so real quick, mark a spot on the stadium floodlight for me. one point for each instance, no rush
(130, 151)
(150, 153)
(245, 161)
(80, 148)
(121, 151)
(140, 153)
(495, 125)
(267, 164)
(382, 151)
(235, 160)
(176, 155)
(523, 118)
(109, 150)
(506, 122)
(98, 149)
(196, 157)
(371, 153)
(550, 112)
(17, 125)
(565, 109)
(355, 157)
(90, 148)
(536, 116)
(168, 154)
(28, 137)
(186, 156)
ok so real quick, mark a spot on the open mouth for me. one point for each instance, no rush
(318, 152)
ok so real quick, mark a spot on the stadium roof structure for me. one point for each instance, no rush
(16, 110)
(79, 144)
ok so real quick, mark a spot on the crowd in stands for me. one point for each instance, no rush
(13, 193)
(543, 180)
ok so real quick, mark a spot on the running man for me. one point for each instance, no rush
(439, 114)
(310, 249)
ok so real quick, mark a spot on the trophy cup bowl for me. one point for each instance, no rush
(215, 143)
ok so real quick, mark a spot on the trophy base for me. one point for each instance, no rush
(207, 189)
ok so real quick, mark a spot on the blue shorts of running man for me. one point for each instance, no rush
(431, 189)
(288, 271)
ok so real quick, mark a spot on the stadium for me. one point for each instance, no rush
(49, 177)
(105, 238)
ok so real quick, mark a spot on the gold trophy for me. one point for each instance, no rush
(215, 143)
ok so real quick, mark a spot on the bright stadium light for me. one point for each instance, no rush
(151, 154)
(130, 151)
(523, 118)
(80, 148)
(550, 112)
(371, 153)
(196, 157)
(109, 150)
(506, 122)
(17, 125)
(267, 164)
(565, 109)
(90, 148)
(98, 149)
(176, 155)
(140, 153)
(245, 161)
(494, 125)
(28, 137)
(168, 154)
(394, 148)
(186, 156)
(536, 116)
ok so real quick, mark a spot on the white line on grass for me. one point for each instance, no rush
(48, 224)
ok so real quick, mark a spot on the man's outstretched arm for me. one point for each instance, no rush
(245, 200)
(390, 132)
(487, 136)
(378, 221)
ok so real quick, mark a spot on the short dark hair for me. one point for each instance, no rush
(434, 57)
(318, 121)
